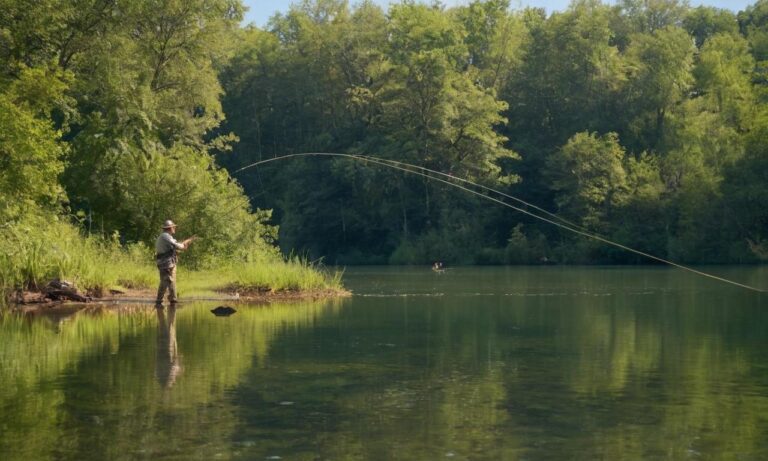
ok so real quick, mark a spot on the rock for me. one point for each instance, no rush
(223, 311)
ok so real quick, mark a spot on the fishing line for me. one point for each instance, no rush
(421, 168)
(426, 173)
(466, 181)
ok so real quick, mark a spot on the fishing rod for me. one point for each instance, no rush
(429, 174)
(424, 169)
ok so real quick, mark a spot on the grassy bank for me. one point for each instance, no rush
(269, 276)
(36, 251)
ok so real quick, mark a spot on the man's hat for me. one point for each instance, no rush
(168, 224)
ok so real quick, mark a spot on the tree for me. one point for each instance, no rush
(648, 16)
(462, 89)
(589, 178)
(150, 86)
(724, 78)
(31, 155)
(434, 112)
(660, 66)
(745, 193)
(707, 131)
(307, 85)
(753, 24)
(704, 22)
(641, 222)
(569, 75)
(568, 82)
(494, 40)
(184, 183)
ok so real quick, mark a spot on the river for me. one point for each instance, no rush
(489, 363)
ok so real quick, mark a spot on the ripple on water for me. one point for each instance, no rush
(400, 295)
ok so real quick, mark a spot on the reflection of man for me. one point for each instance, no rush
(165, 255)
(167, 366)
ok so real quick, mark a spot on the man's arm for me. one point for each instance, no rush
(166, 242)
(185, 244)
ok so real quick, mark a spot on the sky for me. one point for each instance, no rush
(261, 10)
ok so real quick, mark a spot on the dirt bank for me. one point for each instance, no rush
(147, 296)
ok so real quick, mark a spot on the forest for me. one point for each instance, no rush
(643, 121)
(107, 119)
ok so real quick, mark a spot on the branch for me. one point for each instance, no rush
(758, 248)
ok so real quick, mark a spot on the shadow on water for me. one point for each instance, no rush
(488, 363)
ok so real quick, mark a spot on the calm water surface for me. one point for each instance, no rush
(474, 363)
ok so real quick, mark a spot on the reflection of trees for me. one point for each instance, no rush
(643, 377)
(589, 377)
(167, 364)
(594, 377)
(37, 352)
(107, 404)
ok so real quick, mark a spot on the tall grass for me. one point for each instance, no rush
(294, 274)
(38, 249)
(268, 276)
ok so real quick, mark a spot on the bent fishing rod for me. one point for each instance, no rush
(424, 169)
(554, 220)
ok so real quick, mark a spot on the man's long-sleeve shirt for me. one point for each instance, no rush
(165, 250)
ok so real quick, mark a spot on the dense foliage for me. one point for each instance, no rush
(105, 112)
(644, 122)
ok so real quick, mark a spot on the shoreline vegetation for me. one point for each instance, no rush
(277, 281)
(108, 129)
(99, 268)
(290, 280)
(643, 122)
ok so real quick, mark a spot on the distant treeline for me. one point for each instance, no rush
(645, 122)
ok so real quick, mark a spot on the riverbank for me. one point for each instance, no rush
(43, 257)
(147, 295)
(123, 274)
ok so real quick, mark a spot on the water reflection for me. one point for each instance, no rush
(167, 363)
(655, 369)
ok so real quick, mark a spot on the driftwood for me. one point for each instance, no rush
(28, 297)
(59, 290)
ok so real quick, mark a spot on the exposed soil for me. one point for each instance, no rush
(258, 296)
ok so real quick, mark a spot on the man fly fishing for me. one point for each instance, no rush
(165, 255)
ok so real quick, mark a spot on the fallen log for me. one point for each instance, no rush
(58, 290)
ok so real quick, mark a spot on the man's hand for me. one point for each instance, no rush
(188, 241)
